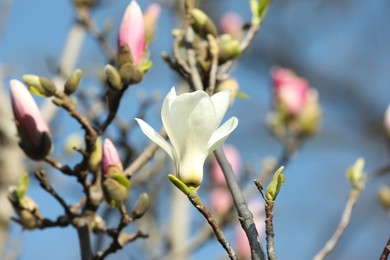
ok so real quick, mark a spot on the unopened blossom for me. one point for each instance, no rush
(192, 121)
(290, 91)
(132, 31)
(115, 185)
(241, 240)
(151, 17)
(231, 23)
(386, 121)
(221, 200)
(32, 127)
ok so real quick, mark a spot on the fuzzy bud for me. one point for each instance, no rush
(113, 78)
(384, 196)
(230, 84)
(132, 31)
(142, 206)
(40, 86)
(202, 24)
(32, 128)
(229, 49)
(72, 83)
(151, 16)
(130, 74)
(355, 173)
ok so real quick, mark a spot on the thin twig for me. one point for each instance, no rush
(344, 222)
(386, 251)
(269, 230)
(45, 184)
(244, 214)
(195, 200)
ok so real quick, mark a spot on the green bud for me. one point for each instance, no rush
(202, 24)
(142, 206)
(179, 184)
(96, 156)
(355, 173)
(113, 78)
(275, 185)
(72, 83)
(259, 9)
(146, 66)
(229, 49)
(130, 74)
(116, 190)
(25, 208)
(40, 86)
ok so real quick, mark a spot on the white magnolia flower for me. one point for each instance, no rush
(192, 122)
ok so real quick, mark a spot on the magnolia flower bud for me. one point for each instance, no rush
(202, 24)
(132, 31)
(151, 16)
(229, 49)
(72, 83)
(310, 115)
(115, 185)
(290, 92)
(40, 86)
(24, 206)
(142, 206)
(221, 200)
(32, 128)
(231, 23)
(113, 78)
(96, 155)
(130, 74)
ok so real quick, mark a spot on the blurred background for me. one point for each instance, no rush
(341, 47)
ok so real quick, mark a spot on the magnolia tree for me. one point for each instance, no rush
(116, 180)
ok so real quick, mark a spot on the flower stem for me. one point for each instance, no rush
(195, 200)
(269, 230)
(386, 251)
(344, 222)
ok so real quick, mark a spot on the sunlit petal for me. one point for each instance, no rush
(221, 101)
(222, 133)
(157, 138)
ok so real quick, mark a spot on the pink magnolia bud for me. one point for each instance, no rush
(290, 91)
(111, 162)
(386, 121)
(151, 16)
(221, 200)
(132, 31)
(233, 156)
(241, 240)
(32, 128)
(231, 23)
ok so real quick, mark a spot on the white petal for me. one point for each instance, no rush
(157, 138)
(221, 101)
(222, 133)
(190, 121)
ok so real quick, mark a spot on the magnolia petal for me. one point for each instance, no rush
(189, 121)
(157, 138)
(221, 101)
(222, 133)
